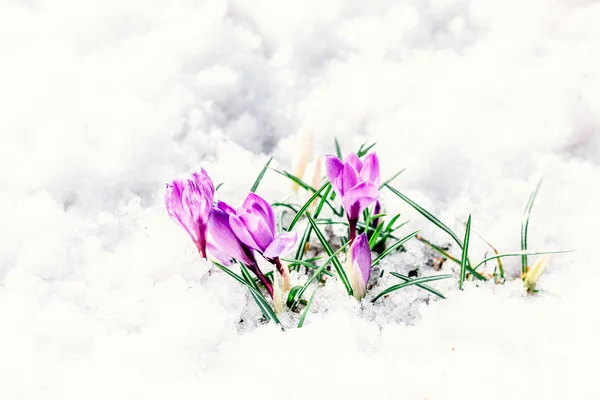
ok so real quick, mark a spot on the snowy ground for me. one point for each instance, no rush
(102, 296)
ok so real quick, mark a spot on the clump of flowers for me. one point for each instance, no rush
(232, 236)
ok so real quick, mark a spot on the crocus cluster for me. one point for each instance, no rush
(236, 234)
(229, 234)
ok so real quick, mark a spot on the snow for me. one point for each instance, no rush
(103, 102)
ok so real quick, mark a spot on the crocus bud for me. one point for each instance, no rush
(188, 203)
(277, 295)
(254, 225)
(306, 147)
(356, 182)
(358, 265)
(534, 273)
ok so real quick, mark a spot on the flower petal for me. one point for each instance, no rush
(361, 256)
(348, 178)
(370, 171)
(223, 242)
(353, 160)
(255, 226)
(257, 205)
(241, 231)
(334, 167)
(358, 198)
(281, 244)
(174, 205)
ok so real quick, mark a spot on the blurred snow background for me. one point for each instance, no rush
(102, 102)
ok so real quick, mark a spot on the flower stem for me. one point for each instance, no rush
(352, 229)
(262, 278)
(285, 274)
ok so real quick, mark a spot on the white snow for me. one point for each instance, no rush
(103, 102)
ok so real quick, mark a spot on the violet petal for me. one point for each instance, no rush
(281, 244)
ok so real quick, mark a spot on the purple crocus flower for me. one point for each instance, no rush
(358, 265)
(224, 245)
(254, 225)
(356, 182)
(188, 203)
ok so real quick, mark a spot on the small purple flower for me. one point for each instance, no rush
(254, 225)
(188, 203)
(356, 182)
(358, 265)
(224, 245)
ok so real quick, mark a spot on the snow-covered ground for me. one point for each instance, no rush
(102, 102)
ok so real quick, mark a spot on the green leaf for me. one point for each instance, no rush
(362, 151)
(394, 247)
(336, 263)
(260, 176)
(306, 264)
(292, 295)
(438, 249)
(306, 205)
(411, 282)
(285, 205)
(302, 245)
(427, 215)
(465, 255)
(422, 286)
(322, 202)
(525, 225)
(247, 277)
(305, 312)
(375, 236)
(338, 149)
(261, 302)
(314, 276)
(218, 187)
(392, 178)
(521, 253)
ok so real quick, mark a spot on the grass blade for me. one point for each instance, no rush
(422, 286)
(465, 255)
(438, 249)
(338, 149)
(306, 205)
(416, 281)
(525, 225)
(394, 247)
(375, 236)
(302, 245)
(426, 214)
(362, 151)
(305, 313)
(260, 176)
(521, 253)
(392, 178)
(336, 263)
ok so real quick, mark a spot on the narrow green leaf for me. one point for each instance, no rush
(422, 286)
(427, 215)
(525, 225)
(306, 205)
(260, 176)
(465, 255)
(438, 249)
(247, 277)
(416, 281)
(338, 149)
(292, 295)
(322, 202)
(375, 236)
(521, 253)
(303, 240)
(306, 264)
(285, 205)
(392, 178)
(336, 263)
(218, 187)
(394, 247)
(305, 312)
(362, 151)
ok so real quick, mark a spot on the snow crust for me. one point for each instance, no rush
(103, 102)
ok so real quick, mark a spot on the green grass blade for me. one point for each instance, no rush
(362, 151)
(525, 225)
(285, 205)
(247, 277)
(261, 302)
(426, 214)
(416, 281)
(306, 205)
(305, 313)
(322, 202)
(375, 236)
(260, 176)
(422, 286)
(465, 255)
(306, 264)
(394, 247)
(392, 178)
(336, 263)
(521, 253)
(218, 186)
(303, 240)
(338, 149)
(438, 249)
